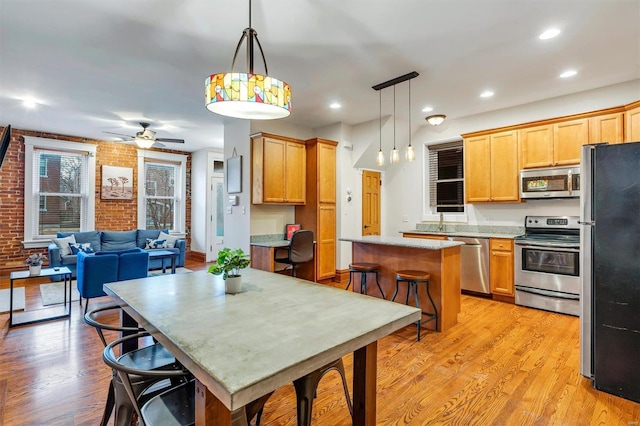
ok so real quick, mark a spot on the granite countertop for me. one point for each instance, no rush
(403, 242)
(277, 243)
(472, 231)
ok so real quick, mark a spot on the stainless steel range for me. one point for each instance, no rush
(547, 264)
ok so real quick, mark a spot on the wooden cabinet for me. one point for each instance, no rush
(557, 144)
(278, 170)
(319, 212)
(536, 146)
(607, 128)
(424, 236)
(568, 138)
(492, 168)
(501, 267)
(632, 122)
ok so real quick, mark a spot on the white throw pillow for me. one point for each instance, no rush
(170, 240)
(63, 243)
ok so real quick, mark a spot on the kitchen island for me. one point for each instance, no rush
(440, 258)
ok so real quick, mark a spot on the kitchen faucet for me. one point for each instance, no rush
(440, 225)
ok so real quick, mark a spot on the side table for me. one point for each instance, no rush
(45, 314)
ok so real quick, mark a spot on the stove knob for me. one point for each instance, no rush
(536, 220)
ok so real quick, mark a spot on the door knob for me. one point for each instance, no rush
(366, 226)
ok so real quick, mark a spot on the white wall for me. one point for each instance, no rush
(237, 223)
(201, 196)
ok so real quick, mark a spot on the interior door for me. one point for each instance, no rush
(370, 203)
(216, 220)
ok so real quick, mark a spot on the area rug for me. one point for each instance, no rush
(18, 299)
(53, 294)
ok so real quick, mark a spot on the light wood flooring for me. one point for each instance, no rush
(501, 365)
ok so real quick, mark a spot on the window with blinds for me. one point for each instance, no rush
(60, 189)
(446, 177)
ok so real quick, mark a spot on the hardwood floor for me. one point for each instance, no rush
(501, 365)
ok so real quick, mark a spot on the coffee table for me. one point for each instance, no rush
(165, 254)
(44, 314)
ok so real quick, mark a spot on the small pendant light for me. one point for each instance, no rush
(380, 157)
(411, 151)
(395, 154)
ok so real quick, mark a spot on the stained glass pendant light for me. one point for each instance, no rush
(247, 94)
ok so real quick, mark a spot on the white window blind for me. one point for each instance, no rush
(446, 177)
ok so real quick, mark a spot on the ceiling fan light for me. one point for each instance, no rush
(144, 143)
(436, 120)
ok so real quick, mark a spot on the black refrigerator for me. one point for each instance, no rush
(610, 268)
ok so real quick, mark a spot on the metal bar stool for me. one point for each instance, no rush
(413, 277)
(364, 269)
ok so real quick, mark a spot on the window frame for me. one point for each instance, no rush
(87, 221)
(430, 211)
(180, 187)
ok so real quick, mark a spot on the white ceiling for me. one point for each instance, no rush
(99, 65)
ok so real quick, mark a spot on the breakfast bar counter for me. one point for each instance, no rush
(440, 258)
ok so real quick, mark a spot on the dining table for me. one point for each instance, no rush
(243, 346)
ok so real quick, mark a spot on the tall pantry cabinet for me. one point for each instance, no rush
(319, 213)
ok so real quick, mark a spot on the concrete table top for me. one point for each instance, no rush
(245, 345)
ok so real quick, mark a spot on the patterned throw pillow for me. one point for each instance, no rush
(78, 247)
(155, 244)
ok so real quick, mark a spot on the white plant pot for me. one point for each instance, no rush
(233, 284)
(34, 269)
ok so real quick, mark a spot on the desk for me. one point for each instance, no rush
(243, 346)
(164, 254)
(262, 258)
(45, 314)
(440, 258)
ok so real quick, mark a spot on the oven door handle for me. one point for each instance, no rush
(542, 292)
(550, 247)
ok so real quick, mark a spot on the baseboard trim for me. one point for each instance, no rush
(342, 276)
(197, 256)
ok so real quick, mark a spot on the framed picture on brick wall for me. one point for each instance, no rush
(117, 183)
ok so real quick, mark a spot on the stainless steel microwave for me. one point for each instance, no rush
(551, 182)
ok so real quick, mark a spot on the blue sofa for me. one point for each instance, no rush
(94, 270)
(112, 241)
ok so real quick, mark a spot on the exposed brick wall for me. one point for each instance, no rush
(117, 215)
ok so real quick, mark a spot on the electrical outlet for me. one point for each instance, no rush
(405, 218)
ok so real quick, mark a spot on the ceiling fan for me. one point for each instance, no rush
(146, 138)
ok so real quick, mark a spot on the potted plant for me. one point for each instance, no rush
(229, 264)
(35, 262)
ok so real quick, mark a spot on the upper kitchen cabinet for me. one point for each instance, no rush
(568, 138)
(632, 122)
(491, 167)
(608, 128)
(278, 170)
(536, 146)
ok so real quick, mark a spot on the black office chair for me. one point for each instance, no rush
(300, 250)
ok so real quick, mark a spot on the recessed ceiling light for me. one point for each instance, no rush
(427, 109)
(550, 33)
(568, 73)
(335, 105)
(486, 94)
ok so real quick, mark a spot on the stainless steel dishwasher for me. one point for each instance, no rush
(474, 264)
